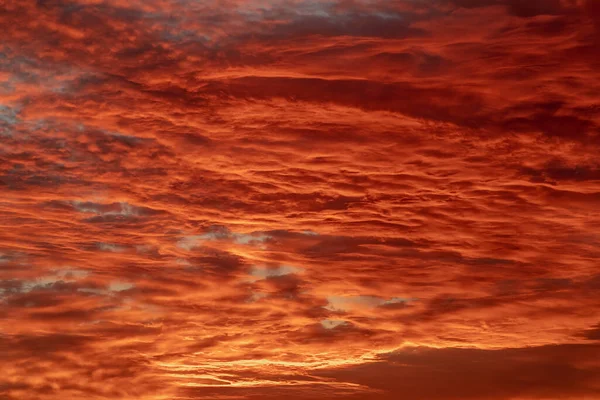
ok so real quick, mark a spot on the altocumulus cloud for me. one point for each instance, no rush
(340, 199)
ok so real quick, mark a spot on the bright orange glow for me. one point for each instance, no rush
(297, 199)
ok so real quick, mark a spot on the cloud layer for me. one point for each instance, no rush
(262, 199)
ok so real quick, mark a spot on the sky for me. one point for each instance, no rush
(299, 199)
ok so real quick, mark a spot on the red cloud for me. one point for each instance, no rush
(240, 199)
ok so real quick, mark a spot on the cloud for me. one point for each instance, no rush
(592, 333)
(459, 373)
(342, 199)
(262, 273)
(349, 302)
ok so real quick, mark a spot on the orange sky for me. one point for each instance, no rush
(297, 199)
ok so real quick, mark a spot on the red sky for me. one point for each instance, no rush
(293, 199)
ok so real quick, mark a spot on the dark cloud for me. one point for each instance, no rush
(424, 373)
(592, 333)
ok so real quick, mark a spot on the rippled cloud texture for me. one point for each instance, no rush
(293, 199)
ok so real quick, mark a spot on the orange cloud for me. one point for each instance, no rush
(341, 200)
